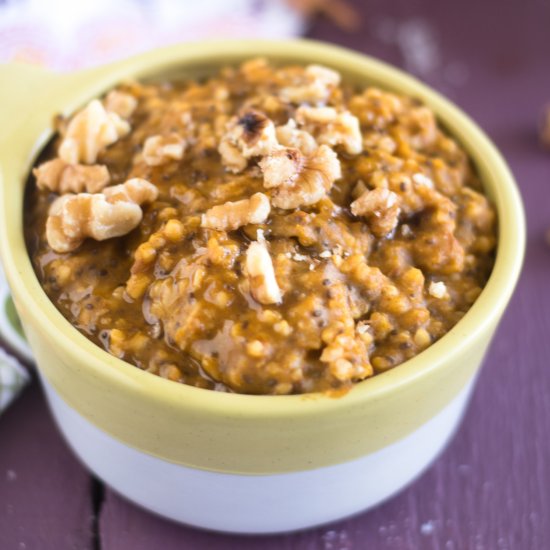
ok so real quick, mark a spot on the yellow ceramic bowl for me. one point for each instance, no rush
(239, 451)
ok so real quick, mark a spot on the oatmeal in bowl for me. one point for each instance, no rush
(271, 229)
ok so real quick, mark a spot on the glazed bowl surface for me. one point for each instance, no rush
(186, 432)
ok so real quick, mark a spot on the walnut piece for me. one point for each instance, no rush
(100, 216)
(60, 177)
(261, 275)
(249, 135)
(282, 167)
(318, 85)
(332, 127)
(89, 132)
(121, 103)
(299, 180)
(380, 207)
(232, 215)
(290, 136)
(159, 150)
(437, 289)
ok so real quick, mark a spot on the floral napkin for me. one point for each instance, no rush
(13, 375)
(68, 35)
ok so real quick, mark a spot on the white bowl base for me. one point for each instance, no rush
(257, 503)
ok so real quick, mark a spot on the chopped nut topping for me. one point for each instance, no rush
(437, 289)
(318, 85)
(232, 157)
(121, 103)
(261, 275)
(60, 177)
(232, 215)
(314, 177)
(159, 150)
(381, 209)
(316, 115)
(113, 213)
(89, 132)
(421, 179)
(332, 128)
(290, 136)
(282, 167)
(250, 135)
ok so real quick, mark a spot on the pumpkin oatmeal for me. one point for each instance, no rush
(269, 230)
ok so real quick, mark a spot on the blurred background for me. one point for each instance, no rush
(491, 488)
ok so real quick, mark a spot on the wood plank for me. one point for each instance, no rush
(45, 499)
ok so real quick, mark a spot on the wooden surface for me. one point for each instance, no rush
(491, 488)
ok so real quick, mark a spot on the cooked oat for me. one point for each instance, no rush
(292, 234)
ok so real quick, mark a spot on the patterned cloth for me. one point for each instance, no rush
(68, 35)
(13, 377)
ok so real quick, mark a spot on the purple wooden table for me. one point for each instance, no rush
(491, 488)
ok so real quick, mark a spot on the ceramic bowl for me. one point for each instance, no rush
(241, 463)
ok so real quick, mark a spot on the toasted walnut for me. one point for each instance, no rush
(159, 150)
(89, 132)
(290, 136)
(232, 158)
(232, 215)
(381, 209)
(318, 85)
(332, 127)
(313, 177)
(282, 167)
(261, 275)
(60, 177)
(121, 103)
(115, 212)
(249, 135)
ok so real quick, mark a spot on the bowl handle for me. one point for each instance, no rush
(23, 88)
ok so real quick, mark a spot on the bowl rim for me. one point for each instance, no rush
(125, 377)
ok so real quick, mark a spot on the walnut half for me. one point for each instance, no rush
(298, 180)
(60, 177)
(232, 215)
(318, 84)
(332, 128)
(249, 135)
(89, 132)
(100, 216)
(159, 150)
(121, 103)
